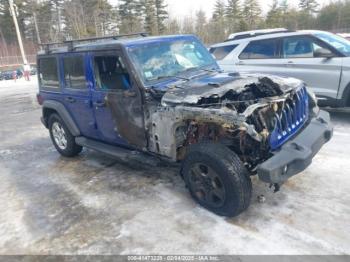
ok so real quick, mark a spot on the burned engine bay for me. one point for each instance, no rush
(236, 110)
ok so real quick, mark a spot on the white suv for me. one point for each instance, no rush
(320, 59)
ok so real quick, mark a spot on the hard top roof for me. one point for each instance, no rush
(100, 44)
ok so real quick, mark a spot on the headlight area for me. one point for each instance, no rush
(314, 109)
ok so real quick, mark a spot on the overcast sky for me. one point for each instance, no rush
(181, 8)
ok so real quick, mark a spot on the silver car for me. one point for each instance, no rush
(320, 59)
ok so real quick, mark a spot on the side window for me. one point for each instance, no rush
(297, 47)
(110, 73)
(74, 73)
(300, 47)
(262, 49)
(48, 76)
(221, 52)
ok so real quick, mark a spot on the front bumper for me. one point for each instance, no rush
(296, 155)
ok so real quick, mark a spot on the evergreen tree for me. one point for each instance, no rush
(251, 13)
(325, 19)
(218, 21)
(306, 17)
(274, 15)
(161, 15)
(55, 20)
(7, 27)
(335, 16)
(37, 17)
(308, 6)
(219, 10)
(233, 15)
(201, 26)
(130, 16)
(150, 21)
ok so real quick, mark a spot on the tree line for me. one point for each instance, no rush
(56, 20)
(230, 16)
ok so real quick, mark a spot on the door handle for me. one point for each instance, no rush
(290, 63)
(70, 99)
(240, 63)
(129, 93)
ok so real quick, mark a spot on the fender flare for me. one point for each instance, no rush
(63, 113)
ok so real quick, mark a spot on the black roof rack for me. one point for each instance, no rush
(250, 35)
(70, 43)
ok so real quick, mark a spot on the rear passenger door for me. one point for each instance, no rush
(301, 61)
(261, 56)
(76, 93)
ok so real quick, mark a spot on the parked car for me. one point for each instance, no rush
(345, 35)
(166, 98)
(7, 75)
(320, 59)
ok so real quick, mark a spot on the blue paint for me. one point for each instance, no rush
(291, 120)
(104, 122)
(81, 109)
(141, 41)
(97, 122)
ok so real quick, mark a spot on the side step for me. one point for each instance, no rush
(125, 155)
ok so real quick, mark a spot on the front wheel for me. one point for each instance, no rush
(62, 138)
(217, 179)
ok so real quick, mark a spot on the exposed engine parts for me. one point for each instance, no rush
(239, 114)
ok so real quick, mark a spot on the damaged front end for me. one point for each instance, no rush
(251, 114)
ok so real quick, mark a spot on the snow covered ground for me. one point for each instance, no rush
(94, 205)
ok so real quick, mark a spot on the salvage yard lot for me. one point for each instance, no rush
(92, 204)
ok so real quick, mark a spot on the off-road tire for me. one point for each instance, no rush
(229, 168)
(71, 149)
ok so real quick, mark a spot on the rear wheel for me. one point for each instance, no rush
(217, 179)
(62, 138)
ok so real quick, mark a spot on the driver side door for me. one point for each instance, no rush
(117, 101)
(321, 74)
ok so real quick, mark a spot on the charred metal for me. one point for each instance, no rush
(238, 113)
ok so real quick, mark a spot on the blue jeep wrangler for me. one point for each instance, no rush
(166, 97)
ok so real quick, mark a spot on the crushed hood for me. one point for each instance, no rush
(220, 84)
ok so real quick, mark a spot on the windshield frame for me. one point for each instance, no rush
(180, 75)
(323, 35)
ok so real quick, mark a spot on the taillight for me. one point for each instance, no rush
(40, 99)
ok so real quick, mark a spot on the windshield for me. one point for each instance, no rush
(339, 43)
(166, 59)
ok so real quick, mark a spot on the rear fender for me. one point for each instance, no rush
(63, 113)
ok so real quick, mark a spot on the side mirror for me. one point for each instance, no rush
(323, 52)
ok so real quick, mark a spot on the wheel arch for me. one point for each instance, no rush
(50, 107)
